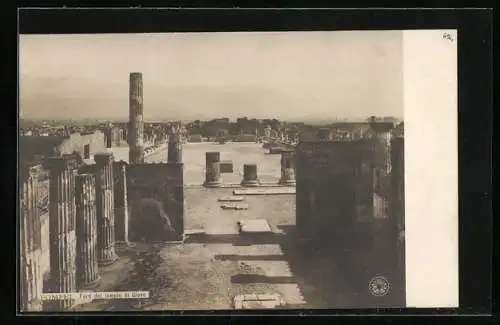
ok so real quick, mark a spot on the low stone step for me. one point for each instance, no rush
(265, 191)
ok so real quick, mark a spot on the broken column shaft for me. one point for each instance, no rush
(87, 270)
(174, 148)
(212, 174)
(287, 169)
(250, 177)
(121, 205)
(62, 234)
(136, 124)
(31, 241)
(106, 253)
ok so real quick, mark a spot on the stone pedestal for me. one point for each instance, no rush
(121, 204)
(212, 174)
(87, 270)
(62, 226)
(30, 241)
(250, 176)
(105, 204)
(287, 169)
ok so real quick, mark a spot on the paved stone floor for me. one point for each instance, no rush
(216, 263)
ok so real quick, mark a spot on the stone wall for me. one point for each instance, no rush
(334, 185)
(76, 142)
(156, 193)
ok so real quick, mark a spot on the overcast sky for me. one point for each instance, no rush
(286, 75)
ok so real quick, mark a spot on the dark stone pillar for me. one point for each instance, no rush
(106, 252)
(30, 241)
(174, 148)
(397, 204)
(250, 177)
(62, 234)
(287, 169)
(108, 137)
(136, 123)
(87, 270)
(121, 205)
(212, 175)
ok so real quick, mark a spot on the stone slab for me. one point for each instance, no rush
(258, 301)
(231, 199)
(254, 226)
(229, 206)
(264, 191)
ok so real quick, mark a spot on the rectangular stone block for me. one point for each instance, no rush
(258, 301)
(254, 226)
(231, 199)
(229, 206)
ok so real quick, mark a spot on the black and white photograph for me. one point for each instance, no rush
(236, 170)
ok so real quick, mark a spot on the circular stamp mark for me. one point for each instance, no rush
(379, 286)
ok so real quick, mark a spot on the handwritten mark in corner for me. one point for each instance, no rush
(448, 37)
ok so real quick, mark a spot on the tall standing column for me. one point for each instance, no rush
(106, 253)
(121, 205)
(212, 174)
(287, 169)
(87, 270)
(136, 124)
(250, 177)
(62, 234)
(31, 241)
(174, 148)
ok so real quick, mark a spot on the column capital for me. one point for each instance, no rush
(120, 163)
(103, 158)
(59, 164)
(135, 75)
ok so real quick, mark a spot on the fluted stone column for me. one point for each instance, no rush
(31, 241)
(106, 253)
(87, 270)
(62, 224)
(212, 174)
(250, 177)
(136, 124)
(121, 205)
(174, 148)
(287, 169)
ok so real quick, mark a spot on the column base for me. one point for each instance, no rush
(92, 284)
(111, 258)
(287, 182)
(252, 183)
(212, 184)
(35, 305)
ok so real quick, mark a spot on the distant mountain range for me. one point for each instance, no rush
(80, 99)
